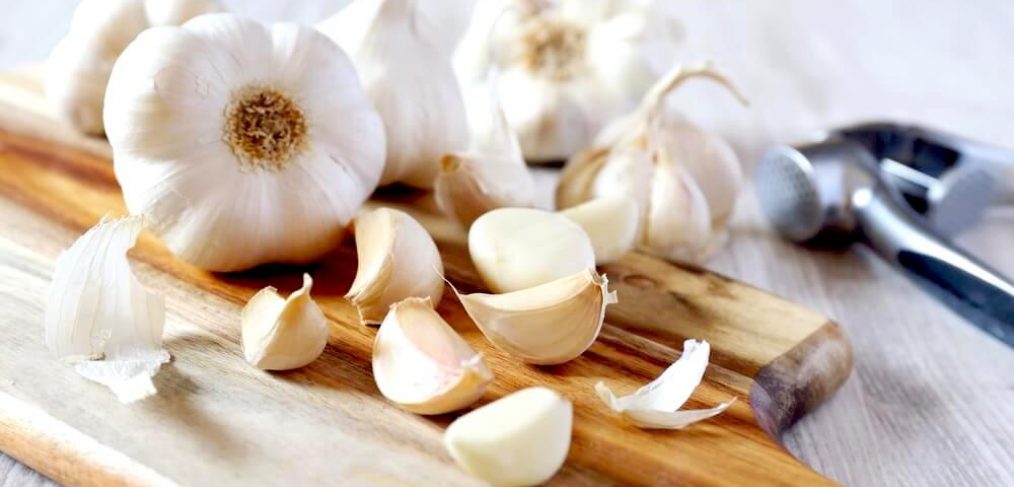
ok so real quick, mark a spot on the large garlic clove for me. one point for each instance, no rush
(397, 260)
(280, 333)
(520, 439)
(421, 364)
(518, 248)
(611, 223)
(677, 224)
(547, 324)
(712, 164)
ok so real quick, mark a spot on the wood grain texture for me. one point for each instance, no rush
(217, 419)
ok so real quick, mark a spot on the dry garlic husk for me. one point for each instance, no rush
(547, 324)
(397, 260)
(409, 78)
(98, 315)
(684, 180)
(570, 66)
(78, 68)
(245, 143)
(283, 333)
(656, 405)
(611, 224)
(491, 175)
(519, 248)
(421, 364)
(520, 439)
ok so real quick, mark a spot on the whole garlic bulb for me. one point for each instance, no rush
(244, 143)
(78, 68)
(684, 180)
(408, 77)
(569, 66)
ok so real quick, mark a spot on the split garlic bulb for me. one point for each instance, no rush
(685, 181)
(78, 68)
(421, 364)
(244, 143)
(409, 78)
(568, 67)
(283, 333)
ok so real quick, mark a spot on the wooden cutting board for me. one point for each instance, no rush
(218, 421)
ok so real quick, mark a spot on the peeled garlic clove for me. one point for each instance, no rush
(421, 364)
(100, 317)
(547, 324)
(520, 439)
(656, 405)
(397, 260)
(611, 224)
(283, 334)
(518, 248)
(678, 223)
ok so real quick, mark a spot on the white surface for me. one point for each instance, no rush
(931, 401)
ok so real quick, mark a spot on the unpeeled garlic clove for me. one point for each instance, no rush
(520, 439)
(518, 248)
(280, 333)
(611, 224)
(547, 324)
(397, 260)
(421, 364)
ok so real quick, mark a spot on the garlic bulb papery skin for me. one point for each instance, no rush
(685, 181)
(568, 67)
(611, 224)
(421, 364)
(656, 405)
(409, 79)
(491, 175)
(397, 260)
(547, 324)
(445, 22)
(98, 315)
(244, 143)
(519, 248)
(78, 69)
(518, 440)
(283, 333)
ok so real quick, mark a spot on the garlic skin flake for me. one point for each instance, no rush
(544, 325)
(98, 315)
(244, 143)
(421, 364)
(569, 66)
(409, 78)
(280, 333)
(397, 260)
(519, 248)
(78, 69)
(519, 440)
(656, 405)
(611, 224)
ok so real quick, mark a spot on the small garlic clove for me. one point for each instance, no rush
(547, 324)
(421, 364)
(280, 333)
(397, 260)
(678, 222)
(518, 248)
(712, 164)
(611, 222)
(656, 405)
(520, 439)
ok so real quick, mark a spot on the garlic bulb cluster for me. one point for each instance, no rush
(397, 260)
(568, 66)
(244, 143)
(100, 317)
(421, 364)
(685, 181)
(78, 69)
(408, 76)
(280, 333)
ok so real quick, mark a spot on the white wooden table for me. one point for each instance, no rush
(931, 400)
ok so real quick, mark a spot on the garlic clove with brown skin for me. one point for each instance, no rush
(397, 260)
(283, 333)
(547, 324)
(611, 223)
(421, 364)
